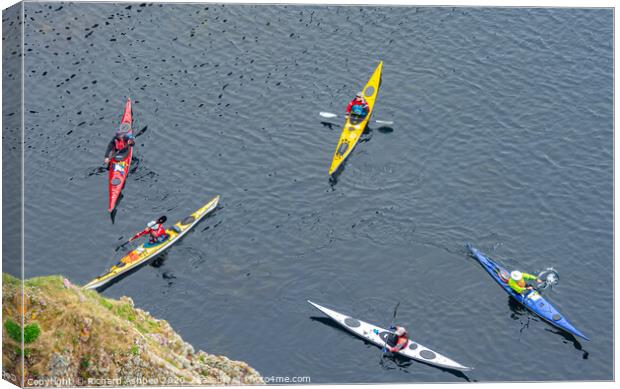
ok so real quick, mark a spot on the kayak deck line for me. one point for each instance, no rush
(377, 336)
(143, 253)
(354, 126)
(533, 301)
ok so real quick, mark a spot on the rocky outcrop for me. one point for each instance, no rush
(74, 337)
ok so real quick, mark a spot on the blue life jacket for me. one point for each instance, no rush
(358, 110)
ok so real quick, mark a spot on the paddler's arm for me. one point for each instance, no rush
(139, 234)
(402, 342)
(529, 277)
(108, 151)
(130, 140)
(348, 111)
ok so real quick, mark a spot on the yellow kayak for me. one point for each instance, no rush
(147, 251)
(353, 128)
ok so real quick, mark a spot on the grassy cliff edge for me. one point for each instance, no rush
(75, 337)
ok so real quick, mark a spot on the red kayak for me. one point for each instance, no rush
(119, 165)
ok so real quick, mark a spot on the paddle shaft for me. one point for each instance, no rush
(384, 350)
(330, 115)
(126, 242)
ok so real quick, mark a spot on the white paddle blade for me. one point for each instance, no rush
(384, 122)
(328, 114)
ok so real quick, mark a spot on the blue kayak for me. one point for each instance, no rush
(533, 300)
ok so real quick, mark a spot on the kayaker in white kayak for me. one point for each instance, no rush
(122, 139)
(517, 281)
(358, 106)
(156, 231)
(397, 340)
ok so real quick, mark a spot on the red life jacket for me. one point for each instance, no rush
(353, 102)
(157, 232)
(120, 144)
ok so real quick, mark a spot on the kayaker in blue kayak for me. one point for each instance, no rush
(397, 340)
(518, 284)
(358, 106)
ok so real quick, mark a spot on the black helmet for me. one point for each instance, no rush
(162, 219)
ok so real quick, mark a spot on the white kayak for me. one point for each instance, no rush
(377, 336)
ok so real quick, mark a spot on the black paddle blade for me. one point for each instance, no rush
(142, 131)
(395, 310)
(120, 246)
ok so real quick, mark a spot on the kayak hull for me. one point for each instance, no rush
(376, 335)
(533, 301)
(119, 166)
(145, 252)
(353, 129)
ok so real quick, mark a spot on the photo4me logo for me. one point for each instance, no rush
(287, 380)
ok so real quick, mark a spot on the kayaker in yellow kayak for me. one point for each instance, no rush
(156, 231)
(358, 106)
(517, 281)
(397, 340)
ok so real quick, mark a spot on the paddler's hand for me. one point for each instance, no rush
(131, 142)
(106, 161)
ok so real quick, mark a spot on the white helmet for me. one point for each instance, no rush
(400, 331)
(151, 224)
(516, 275)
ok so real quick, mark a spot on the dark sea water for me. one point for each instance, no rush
(502, 137)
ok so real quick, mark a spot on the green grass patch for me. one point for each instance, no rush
(125, 311)
(47, 281)
(27, 352)
(8, 279)
(31, 332)
(147, 326)
(85, 362)
(135, 350)
(14, 330)
(103, 301)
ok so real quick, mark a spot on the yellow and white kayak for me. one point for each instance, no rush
(147, 251)
(353, 128)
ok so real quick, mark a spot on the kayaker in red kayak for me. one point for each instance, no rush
(517, 281)
(397, 340)
(358, 106)
(121, 141)
(156, 230)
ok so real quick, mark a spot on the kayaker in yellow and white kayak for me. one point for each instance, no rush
(517, 281)
(155, 229)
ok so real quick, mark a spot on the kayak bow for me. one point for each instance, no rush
(145, 252)
(119, 165)
(353, 129)
(377, 336)
(533, 301)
